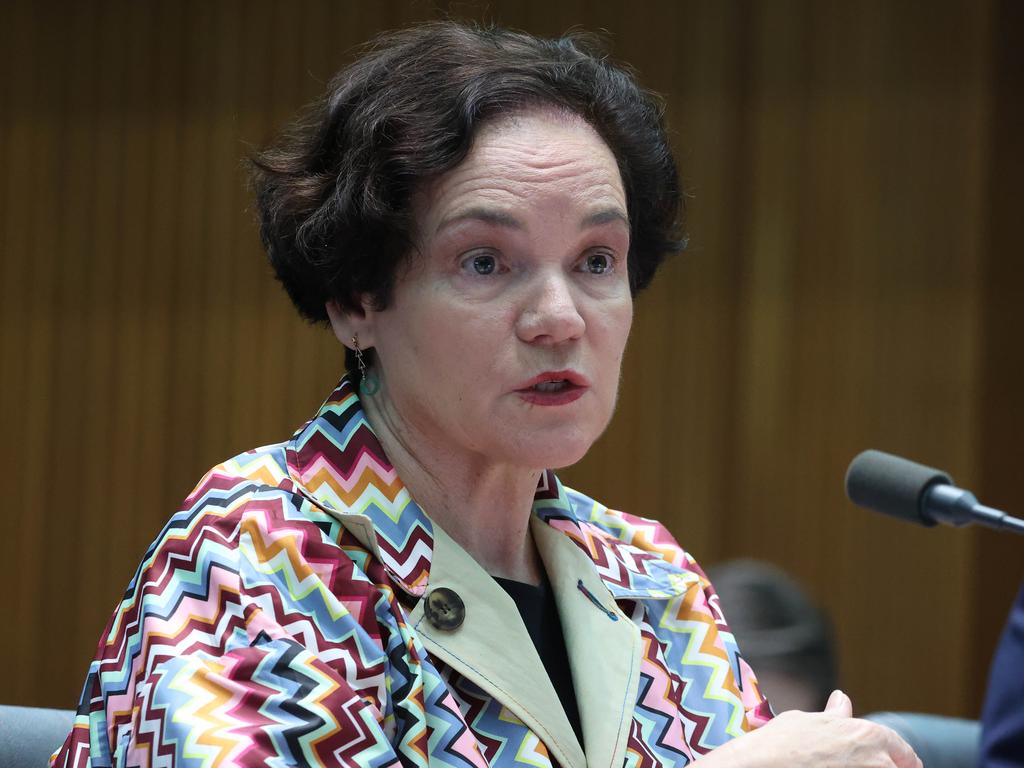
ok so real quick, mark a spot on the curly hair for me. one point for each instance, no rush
(333, 193)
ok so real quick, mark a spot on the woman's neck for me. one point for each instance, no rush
(482, 505)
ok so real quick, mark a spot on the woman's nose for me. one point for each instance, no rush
(550, 314)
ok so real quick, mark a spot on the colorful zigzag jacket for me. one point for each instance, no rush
(278, 619)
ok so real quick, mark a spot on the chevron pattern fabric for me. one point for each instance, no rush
(259, 630)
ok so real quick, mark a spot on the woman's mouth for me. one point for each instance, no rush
(559, 388)
(552, 386)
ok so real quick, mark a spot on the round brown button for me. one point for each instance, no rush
(444, 609)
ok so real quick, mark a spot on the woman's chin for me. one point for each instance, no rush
(566, 444)
(555, 451)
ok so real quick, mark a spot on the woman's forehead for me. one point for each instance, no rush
(531, 160)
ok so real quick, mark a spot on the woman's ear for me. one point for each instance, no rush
(351, 323)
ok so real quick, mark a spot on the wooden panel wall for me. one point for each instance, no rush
(842, 161)
(998, 567)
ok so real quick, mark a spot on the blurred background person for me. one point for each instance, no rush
(781, 632)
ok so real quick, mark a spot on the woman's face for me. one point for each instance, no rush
(505, 333)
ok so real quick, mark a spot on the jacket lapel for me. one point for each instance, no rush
(603, 646)
(493, 649)
(604, 564)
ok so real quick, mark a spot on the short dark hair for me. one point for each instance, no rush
(333, 193)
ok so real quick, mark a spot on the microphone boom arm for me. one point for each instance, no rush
(954, 506)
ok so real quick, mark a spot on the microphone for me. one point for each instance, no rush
(918, 494)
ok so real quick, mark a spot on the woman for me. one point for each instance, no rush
(406, 581)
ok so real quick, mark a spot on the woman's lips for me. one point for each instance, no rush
(554, 388)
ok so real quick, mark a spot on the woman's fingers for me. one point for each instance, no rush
(900, 752)
(813, 739)
(871, 741)
(839, 704)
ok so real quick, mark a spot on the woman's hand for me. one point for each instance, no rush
(824, 739)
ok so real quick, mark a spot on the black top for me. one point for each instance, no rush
(540, 615)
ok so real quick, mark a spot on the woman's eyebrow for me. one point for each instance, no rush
(502, 219)
(604, 216)
(485, 215)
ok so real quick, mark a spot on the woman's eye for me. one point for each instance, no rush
(481, 264)
(598, 263)
(484, 265)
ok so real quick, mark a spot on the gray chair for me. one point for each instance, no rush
(940, 742)
(29, 735)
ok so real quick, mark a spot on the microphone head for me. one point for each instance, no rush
(891, 485)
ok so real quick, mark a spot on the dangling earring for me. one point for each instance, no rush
(369, 384)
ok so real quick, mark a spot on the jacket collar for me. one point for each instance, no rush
(338, 464)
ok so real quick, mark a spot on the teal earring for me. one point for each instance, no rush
(369, 384)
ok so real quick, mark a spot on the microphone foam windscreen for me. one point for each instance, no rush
(891, 485)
